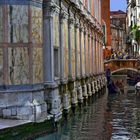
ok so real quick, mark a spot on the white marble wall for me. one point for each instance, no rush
(37, 65)
(36, 23)
(18, 24)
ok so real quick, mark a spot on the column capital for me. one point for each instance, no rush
(63, 16)
(81, 28)
(71, 21)
(85, 30)
(77, 25)
(50, 8)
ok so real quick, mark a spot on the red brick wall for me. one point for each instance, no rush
(105, 9)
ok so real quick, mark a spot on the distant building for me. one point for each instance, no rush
(118, 30)
(133, 26)
(105, 10)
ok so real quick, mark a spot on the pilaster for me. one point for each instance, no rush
(70, 26)
(81, 56)
(88, 51)
(63, 16)
(85, 49)
(51, 88)
(76, 47)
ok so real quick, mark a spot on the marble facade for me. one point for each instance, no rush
(51, 50)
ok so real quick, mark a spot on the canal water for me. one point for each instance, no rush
(115, 117)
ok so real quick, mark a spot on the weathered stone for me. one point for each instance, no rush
(14, 111)
(12, 99)
(38, 112)
(44, 107)
(74, 99)
(66, 101)
(6, 113)
(85, 95)
(3, 100)
(24, 98)
(79, 94)
(38, 96)
(25, 110)
(1, 112)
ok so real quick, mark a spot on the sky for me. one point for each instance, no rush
(118, 5)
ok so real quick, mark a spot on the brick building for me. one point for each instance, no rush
(106, 18)
(105, 12)
(118, 30)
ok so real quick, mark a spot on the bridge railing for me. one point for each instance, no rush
(116, 64)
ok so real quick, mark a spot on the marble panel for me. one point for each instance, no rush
(56, 31)
(37, 73)
(1, 66)
(65, 49)
(37, 65)
(18, 56)
(18, 23)
(37, 56)
(19, 75)
(37, 25)
(1, 24)
(18, 69)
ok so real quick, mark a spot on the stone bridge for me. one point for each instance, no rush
(117, 65)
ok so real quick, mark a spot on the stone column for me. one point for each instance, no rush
(89, 60)
(64, 89)
(72, 50)
(85, 51)
(51, 88)
(89, 52)
(62, 17)
(80, 42)
(95, 54)
(84, 87)
(92, 54)
(76, 50)
(77, 46)
(70, 23)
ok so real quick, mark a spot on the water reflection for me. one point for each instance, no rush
(115, 117)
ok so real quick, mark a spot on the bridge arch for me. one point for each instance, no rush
(124, 69)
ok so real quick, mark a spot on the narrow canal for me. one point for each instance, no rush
(115, 117)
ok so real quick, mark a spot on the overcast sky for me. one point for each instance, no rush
(118, 5)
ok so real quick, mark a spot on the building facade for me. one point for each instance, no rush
(105, 13)
(118, 30)
(106, 22)
(133, 26)
(51, 56)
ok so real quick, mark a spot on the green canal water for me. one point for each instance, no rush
(115, 117)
